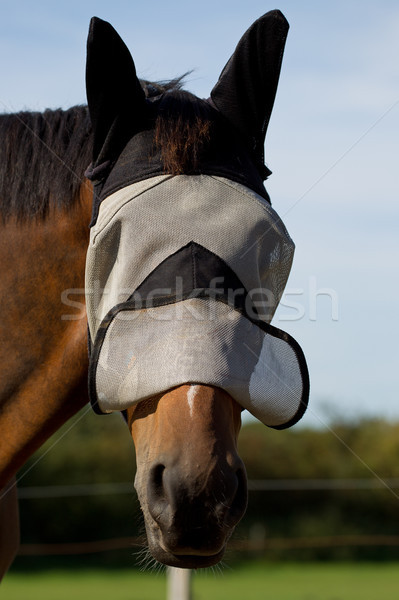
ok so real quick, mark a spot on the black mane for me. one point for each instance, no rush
(43, 157)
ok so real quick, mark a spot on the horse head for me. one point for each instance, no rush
(182, 235)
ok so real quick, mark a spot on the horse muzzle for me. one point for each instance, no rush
(190, 519)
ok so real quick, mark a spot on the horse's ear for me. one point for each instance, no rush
(114, 94)
(247, 86)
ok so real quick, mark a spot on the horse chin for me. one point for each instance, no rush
(187, 558)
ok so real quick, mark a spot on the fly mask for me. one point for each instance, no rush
(184, 272)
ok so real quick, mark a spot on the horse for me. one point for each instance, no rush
(148, 258)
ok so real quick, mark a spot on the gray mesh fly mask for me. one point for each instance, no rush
(183, 276)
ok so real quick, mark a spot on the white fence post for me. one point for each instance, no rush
(179, 584)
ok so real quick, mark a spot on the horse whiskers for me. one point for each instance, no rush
(217, 569)
(143, 557)
(145, 560)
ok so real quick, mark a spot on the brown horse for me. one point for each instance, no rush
(184, 416)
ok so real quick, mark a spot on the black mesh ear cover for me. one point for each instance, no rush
(247, 87)
(115, 98)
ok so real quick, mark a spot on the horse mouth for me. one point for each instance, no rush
(197, 557)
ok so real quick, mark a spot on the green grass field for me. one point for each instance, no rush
(275, 581)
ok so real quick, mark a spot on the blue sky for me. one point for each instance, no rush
(332, 145)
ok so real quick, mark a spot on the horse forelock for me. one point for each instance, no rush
(183, 130)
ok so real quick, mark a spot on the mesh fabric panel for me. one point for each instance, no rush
(149, 351)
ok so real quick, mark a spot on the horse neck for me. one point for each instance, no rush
(43, 348)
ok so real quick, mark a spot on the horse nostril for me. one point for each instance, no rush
(156, 479)
(157, 498)
(240, 500)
